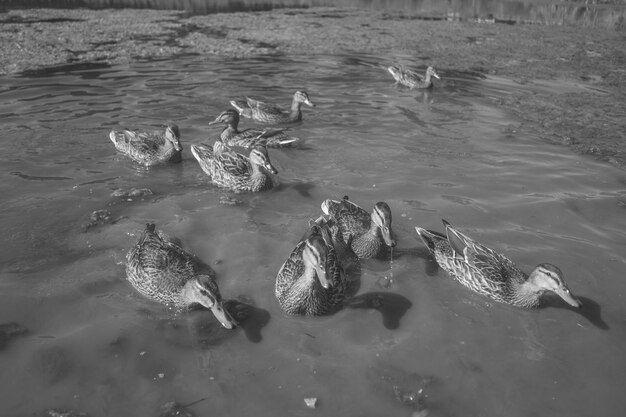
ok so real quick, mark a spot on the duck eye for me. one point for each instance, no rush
(204, 292)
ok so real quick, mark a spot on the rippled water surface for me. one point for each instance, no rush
(608, 13)
(94, 345)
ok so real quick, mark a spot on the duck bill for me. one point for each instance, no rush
(388, 239)
(321, 275)
(178, 146)
(270, 168)
(436, 76)
(567, 296)
(214, 122)
(309, 103)
(223, 316)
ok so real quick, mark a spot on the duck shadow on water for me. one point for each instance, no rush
(391, 306)
(301, 187)
(590, 309)
(200, 327)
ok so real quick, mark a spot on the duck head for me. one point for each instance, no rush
(395, 70)
(431, 71)
(314, 255)
(203, 290)
(381, 216)
(228, 117)
(172, 133)
(259, 156)
(303, 97)
(548, 277)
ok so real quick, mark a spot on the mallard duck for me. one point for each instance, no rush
(369, 234)
(492, 274)
(233, 170)
(164, 272)
(149, 148)
(412, 79)
(231, 136)
(270, 113)
(314, 279)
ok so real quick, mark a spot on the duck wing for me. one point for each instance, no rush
(412, 75)
(264, 107)
(492, 266)
(143, 142)
(162, 260)
(291, 270)
(230, 161)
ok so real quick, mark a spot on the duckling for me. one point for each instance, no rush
(233, 170)
(231, 136)
(149, 148)
(492, 274)
(270, 113)
(164, 272)
(314, 279)
(412, 79)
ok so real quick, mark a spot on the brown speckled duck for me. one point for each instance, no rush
(492, 274)
(270, 113)
(248, 138)
(370, 234)
(316, 278)
(164, 272)
(412, 79)
(149, 148)
(230, 169)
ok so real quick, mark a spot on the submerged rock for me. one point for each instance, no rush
(99, 218)
(230, 201)
(173, 409)
(57, 413)
(9, 331)
(131, 193)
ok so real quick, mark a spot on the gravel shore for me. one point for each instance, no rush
(592, 122)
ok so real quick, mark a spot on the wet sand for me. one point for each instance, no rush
(590, 121)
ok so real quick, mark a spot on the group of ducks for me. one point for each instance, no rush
(315, 279)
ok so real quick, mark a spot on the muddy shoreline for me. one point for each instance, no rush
(591, 122)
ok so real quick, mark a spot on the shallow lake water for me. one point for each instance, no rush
(415, 342)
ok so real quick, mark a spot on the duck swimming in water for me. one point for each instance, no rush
(164, 272)
(231, 136)
(230, 169)
(149, 148)
(370, 234)
(492, 274)
(270, 113)
(316, 278)
(412, 79)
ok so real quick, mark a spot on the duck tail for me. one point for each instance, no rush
(242, 107)
(148, 235)
(430, 237)
(458, 241)
(289, 142)
(328, 206)
(121, 139)
(113, 135)
(427, 238)
(202, 151)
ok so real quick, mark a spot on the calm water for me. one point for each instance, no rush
(95, 346)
